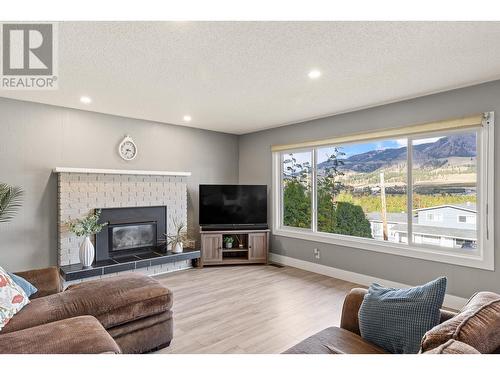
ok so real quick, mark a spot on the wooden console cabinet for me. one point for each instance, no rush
(249, 246)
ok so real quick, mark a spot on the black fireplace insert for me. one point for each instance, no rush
(130, 231)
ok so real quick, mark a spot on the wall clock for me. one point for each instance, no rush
(127, 148)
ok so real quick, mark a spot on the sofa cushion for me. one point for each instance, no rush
(12, 298)
(80, 335)
(113, 301)
(145, 335)
(397, 319)
(139, 324)
(453, 347)
(335, 340)
(477, 324)
(25, 285)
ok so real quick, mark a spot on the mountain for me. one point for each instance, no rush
(460, 145)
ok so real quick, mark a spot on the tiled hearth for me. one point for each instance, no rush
(148, 263)
(81, 191)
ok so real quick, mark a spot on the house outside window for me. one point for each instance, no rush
(356, 193)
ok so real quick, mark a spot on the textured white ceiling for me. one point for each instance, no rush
(240, 77)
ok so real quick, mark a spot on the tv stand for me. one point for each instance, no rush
(250, 246)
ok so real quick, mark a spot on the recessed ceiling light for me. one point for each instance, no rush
(314, 74)
(187, 118)
(85, 100)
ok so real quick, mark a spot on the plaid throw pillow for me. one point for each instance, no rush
(12, 298)
(397, 319)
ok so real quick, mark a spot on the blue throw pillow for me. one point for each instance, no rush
(397, 319)
(28, 288)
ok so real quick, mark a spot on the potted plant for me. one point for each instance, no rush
(176, 240)
(228, 241)
(86, 227)
(11, 198)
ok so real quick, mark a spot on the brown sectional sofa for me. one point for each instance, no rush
(129, 313)
(347, 339)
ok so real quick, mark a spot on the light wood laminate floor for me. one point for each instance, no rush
(250, 309)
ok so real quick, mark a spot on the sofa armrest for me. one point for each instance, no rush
(46, 280)
(352, 303)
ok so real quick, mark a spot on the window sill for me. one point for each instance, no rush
(433, 254)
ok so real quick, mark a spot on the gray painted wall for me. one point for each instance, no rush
(34, 138)
(255, 167)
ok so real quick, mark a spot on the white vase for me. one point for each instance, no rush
(86, 252)
(177, 248)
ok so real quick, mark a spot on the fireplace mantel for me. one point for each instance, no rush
(119, 171)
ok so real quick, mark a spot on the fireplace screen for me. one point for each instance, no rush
(132, 236)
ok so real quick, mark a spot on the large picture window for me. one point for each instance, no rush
(424, 194)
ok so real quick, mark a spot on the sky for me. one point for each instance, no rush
(359, 148)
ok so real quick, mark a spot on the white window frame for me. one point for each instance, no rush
(484, 256)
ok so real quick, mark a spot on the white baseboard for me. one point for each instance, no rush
(450, 301)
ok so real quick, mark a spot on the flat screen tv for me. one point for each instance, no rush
(233, 205)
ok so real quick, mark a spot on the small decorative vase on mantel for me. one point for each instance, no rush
(86, 227)
(87, 253)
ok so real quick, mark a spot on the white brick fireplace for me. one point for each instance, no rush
(81, 191)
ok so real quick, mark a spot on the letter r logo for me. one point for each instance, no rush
(27, 49)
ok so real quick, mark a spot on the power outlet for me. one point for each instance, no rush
(316, 253)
